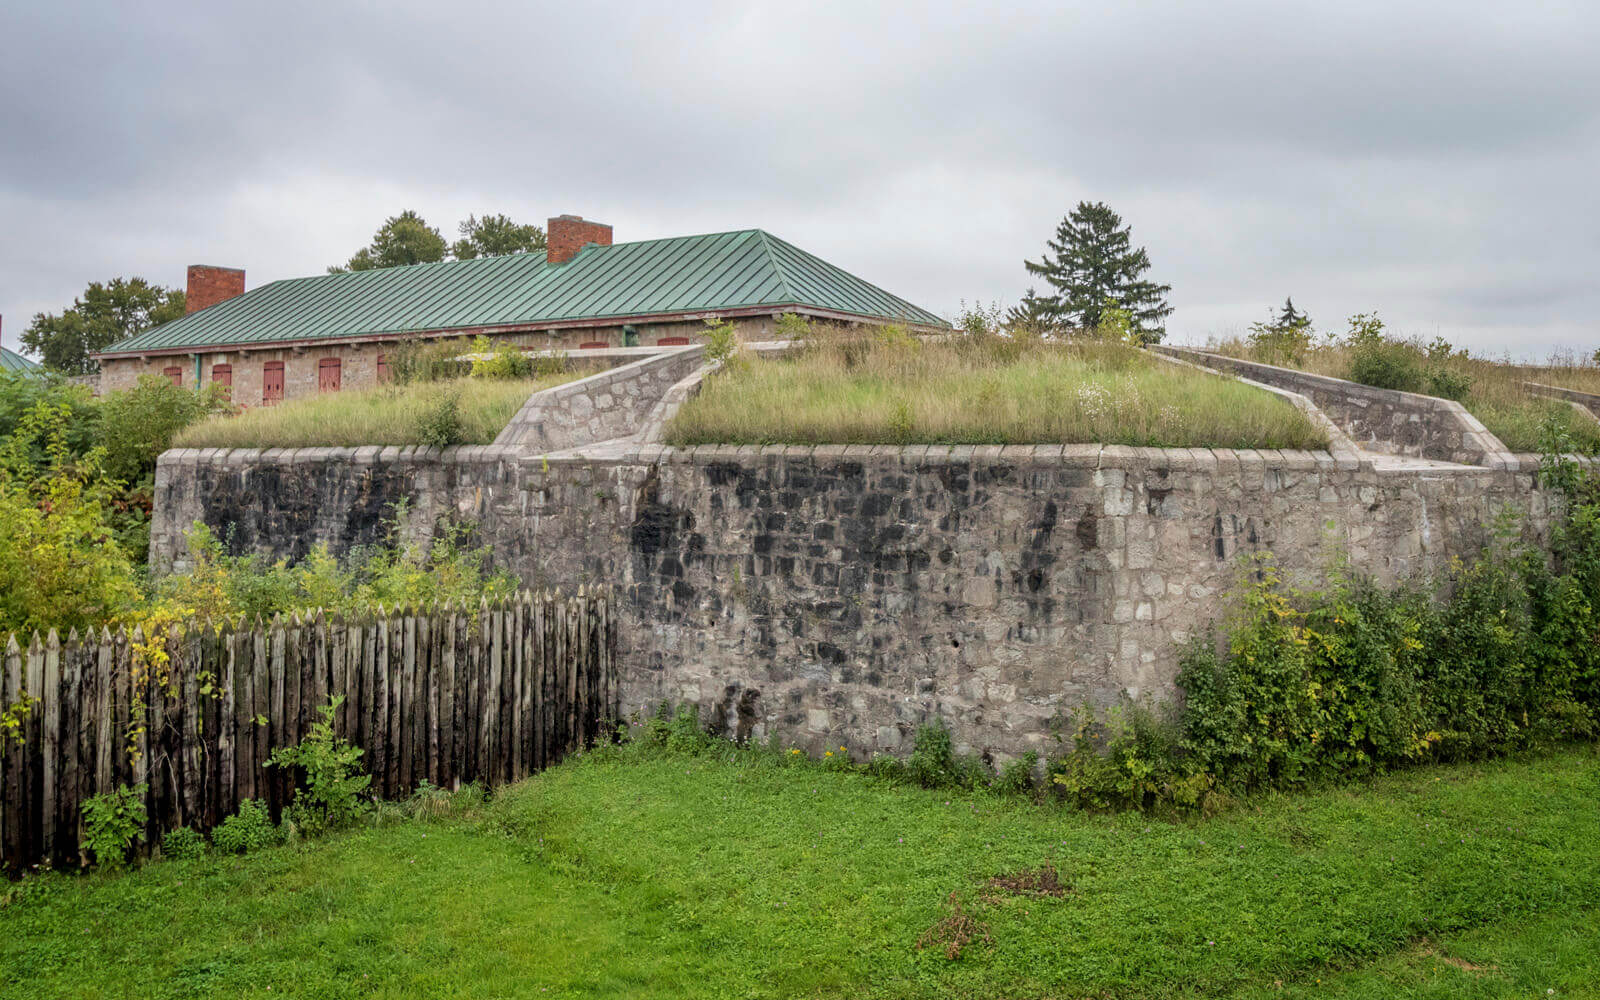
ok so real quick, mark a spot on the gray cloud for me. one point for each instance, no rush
(1434, 163)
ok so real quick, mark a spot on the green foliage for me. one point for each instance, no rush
(332, 793)
(439, 421)
(935, 764)
(1380, 362)
(1092, 264)
(402, 240)
(979, 319)
(412, 361)
(58, 565)
(75, 405)
(112, 823)
(105, 313)
(502, 361)
(183, 844)
(1284, 338)
(146, 419)
(495, 236)
(1031, 317)
(1016, 778)
(1129, 760)
(394, 573)
(790, 326)
(249, 829)
(722, 341)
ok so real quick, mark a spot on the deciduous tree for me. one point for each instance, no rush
(495, 236)
(106, 313)
(403, 239)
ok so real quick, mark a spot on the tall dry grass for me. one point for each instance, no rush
(387, 415)
(889, 388)
(1495, 394)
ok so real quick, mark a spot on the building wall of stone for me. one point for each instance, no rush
(842, 595)
(1379, 420)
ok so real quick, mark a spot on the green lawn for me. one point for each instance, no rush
(738, 876)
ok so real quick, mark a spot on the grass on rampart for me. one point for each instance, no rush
(457, 411)
(1496, 396)
(983, 390)
(746, 873)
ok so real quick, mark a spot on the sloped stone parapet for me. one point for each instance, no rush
(1385, 421)
(1587, 402)
(615, 403)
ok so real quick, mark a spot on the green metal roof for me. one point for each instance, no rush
(11, 361)
(748, 269)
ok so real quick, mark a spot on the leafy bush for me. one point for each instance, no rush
(503, 361)
(76, 408)
(249, 829)
(146, 419)
(1449, 383)
(112, 823)
(439, 423)
(57, 566)
(412, 361)
(722, 341)
(790, 326)
(935, 764)
(1016, 778)
(333, 794)
(1278, 343)
(1377, 361)
(183, 844)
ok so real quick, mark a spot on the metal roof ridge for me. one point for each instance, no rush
(777, 266)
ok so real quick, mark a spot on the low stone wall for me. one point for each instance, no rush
(1586, 400)
(1379, 420)
(612, 404)
(842, 595)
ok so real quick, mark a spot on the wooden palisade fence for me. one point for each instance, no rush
(447, 695)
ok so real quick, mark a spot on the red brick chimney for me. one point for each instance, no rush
(209, 285)
(567, 234)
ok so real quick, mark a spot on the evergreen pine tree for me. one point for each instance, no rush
(1095, 267)
(1033, 314)
(1290, 318)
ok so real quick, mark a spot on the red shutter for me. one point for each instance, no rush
(593, 344)
(328, 375)
(175, 373)
(383, 368)
(272, 382)
(222, 375)
(673, 342)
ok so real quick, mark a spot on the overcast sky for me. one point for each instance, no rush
(1436, 162)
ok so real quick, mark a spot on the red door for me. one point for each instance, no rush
(175, 373)
(272, 382)
(593, 345)
(383, 368)
(673, 342)
(328, 375)
(222, 375)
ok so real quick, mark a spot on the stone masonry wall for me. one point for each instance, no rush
(1585, 400)
(608, 405)
(842, 595)
(1379, 420)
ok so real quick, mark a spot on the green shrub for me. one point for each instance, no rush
(412, 361)
(1016, 778)
(183, 844)
(112, 823)
(147, 417)
(439, 420)
(722, 341)
(249, 829)
(333, 793)
(935, 764)
(502, 361)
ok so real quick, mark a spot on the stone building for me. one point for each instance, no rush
(301, 336)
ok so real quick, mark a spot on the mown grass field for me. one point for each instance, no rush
(387, 415)
(983, 391)
(648, 874)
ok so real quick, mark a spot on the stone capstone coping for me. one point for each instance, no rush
(609, 404)
(1586, 402)
(1438, 429)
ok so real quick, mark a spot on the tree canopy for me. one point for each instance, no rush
(105, 313)
(408, 239)
(495, 236)
(1092, 266)
(402, 239)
